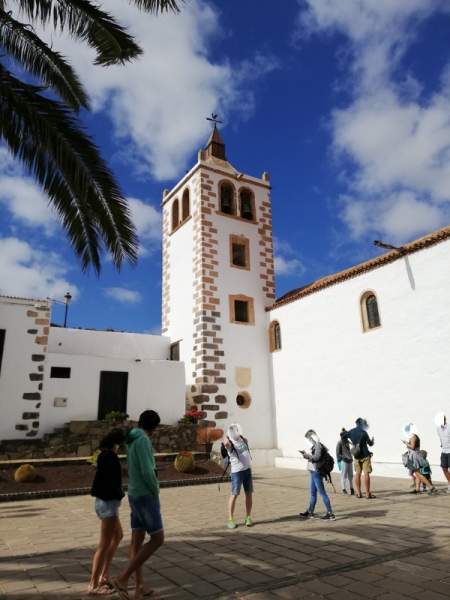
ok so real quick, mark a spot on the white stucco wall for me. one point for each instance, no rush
(21, 357)
(154, 382)
(329, 372)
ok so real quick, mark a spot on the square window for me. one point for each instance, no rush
(239, 258)
(239, 252)
(241, 311)
(60, 372)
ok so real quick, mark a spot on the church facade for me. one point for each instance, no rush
(372, 341)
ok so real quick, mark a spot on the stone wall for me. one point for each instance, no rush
(81, 438)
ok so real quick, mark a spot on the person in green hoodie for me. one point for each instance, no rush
(143, 497)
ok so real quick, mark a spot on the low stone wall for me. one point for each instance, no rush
(82, 438)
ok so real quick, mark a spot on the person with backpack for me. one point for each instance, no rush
(236, 451)
(320, 465)
(345, 462)
(361, 455)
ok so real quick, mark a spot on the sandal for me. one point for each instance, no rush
(358, 496)
(370, 496)
(122, 592)
(101, 590)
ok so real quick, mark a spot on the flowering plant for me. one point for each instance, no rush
(192, 416)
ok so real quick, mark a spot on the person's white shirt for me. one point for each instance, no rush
(241, 459)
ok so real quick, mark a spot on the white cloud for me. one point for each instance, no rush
(27, 204)
(158, 103)
(123, 295)
(396, 139)
(148, 225)
(27, 272)
(288, 266)
(286, 260)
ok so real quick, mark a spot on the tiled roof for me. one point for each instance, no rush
(374, 263)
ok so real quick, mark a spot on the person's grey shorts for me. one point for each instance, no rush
(445, 460)
(105, 509)
(146, 513)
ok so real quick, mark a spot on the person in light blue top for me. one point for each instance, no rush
(143, 497)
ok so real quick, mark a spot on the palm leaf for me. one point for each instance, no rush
(158, 6)
(44, 135)
(84, 20)
(38, 59)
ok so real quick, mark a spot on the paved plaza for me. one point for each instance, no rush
(393, 547)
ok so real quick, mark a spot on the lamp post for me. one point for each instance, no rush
(67, 299)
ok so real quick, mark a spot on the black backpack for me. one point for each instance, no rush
(325, 465)
(226, 453)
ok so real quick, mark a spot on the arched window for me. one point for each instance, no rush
(175, 215)
(274, 336)
(227, 204)
(186, 204)
(246, 205)
(369, 311)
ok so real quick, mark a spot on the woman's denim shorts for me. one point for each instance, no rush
(105, 509)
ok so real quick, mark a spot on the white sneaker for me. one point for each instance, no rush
(448, 489)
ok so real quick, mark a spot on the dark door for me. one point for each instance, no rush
(113, 392)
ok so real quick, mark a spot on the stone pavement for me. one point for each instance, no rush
(394, 547)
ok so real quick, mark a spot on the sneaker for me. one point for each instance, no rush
(448, 489)
(329, 517)
(306, 515)
(231, 524)
(352, 492)
(344, 491)
(248, 522)
(432, 491)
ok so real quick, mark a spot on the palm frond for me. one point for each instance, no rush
(38, 59)
(158, 6)
(85, 20)
(44, 135)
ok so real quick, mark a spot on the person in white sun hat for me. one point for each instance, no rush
(443, 431)
(239, 457)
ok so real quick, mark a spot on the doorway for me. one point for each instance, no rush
(113, 392)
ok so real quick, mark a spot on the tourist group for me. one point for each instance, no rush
(352, 452)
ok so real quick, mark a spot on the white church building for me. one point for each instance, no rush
(371, 341)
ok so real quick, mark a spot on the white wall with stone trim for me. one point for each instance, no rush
(245, 345)
(181, 281)
(329, 372)
(25, 323)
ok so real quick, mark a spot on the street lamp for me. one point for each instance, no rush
(67, 299)
(381, 244)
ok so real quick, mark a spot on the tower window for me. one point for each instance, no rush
(239, 251)
(369, 311)
(246, 205)
(227, 204)
(175, 214)
(186, 204)
(274, 336)
(242, 310)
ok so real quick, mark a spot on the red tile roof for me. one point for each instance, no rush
(374, 263)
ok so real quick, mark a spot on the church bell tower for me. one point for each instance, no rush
(218, 280)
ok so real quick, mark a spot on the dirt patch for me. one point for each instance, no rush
(67, 477)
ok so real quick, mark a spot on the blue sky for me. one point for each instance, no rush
(347, 105)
